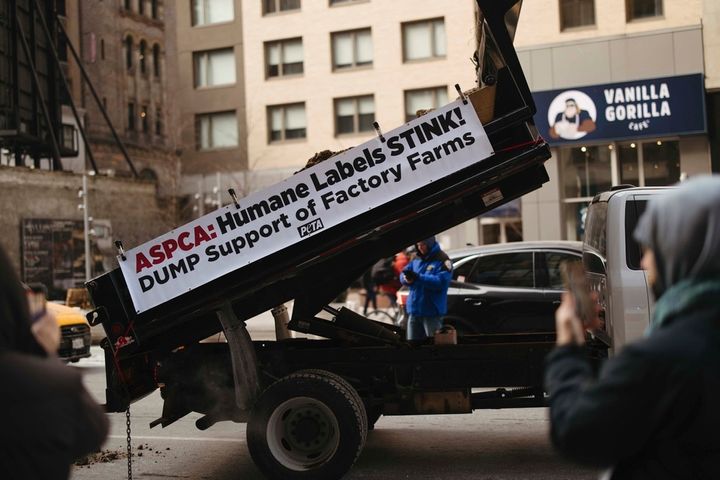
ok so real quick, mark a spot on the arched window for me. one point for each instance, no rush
(154, 9)
(156, 60)
(128, 4)
(141, 7)
(143, 54)
(128, 52)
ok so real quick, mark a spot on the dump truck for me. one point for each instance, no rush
(309, 402)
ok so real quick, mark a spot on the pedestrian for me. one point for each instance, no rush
(428, 278)
(48, 418)
(370, 293)
(652, 411)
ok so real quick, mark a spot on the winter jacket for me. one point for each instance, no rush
(47, 417)
(428, 293)
(653, 412)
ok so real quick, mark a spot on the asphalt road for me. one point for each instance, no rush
(488, 444)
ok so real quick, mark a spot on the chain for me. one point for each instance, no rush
(129, 443)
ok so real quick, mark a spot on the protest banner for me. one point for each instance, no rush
(424, 150)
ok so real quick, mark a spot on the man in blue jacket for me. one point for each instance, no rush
(428, 277)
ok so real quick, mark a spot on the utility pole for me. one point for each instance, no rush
(86, 225)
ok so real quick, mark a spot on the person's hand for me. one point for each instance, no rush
(410, 276)
(47, 333)
(568, 327)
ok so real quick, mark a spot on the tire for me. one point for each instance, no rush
(306, 426)
(349, 388)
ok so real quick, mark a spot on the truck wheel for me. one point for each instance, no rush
(349, 388)
(306, 426)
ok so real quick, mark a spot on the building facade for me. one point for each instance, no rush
(625, 91)
(128, 57)
(268, 83)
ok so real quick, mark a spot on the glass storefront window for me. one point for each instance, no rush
(629, 167)
(586, 170)
(661, 163)
(575, 214)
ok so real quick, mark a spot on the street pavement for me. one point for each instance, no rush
(487, 444)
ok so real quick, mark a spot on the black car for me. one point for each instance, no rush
(508, 288)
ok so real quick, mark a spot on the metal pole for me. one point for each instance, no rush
(46, 29)
(219, 191)
(201, 198)
(97, 100)
(86, 227)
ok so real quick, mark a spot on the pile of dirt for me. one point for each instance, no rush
(103, 456)
(321, 157)
(106, 456)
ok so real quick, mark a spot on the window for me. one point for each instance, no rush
(352, 49)
(128, 4)
(158, 121)
(216, 130)
(273, 6)
(504, 270)
(102, 49)
(553, 261)
(156, 60)
(661, 163)
(143, 54)
(655, 163)
(586, 171)
(154, 9)
(128, 52)
(337, 2)
(462, 268)
(206, 12)
(424, 99)
(354, 114)
(283, 57)
(131, 117)
(214, 67)
(423, 40)
(141, 7)
(145, 119)
(576, 13)
(286, 122)
(643, 9)
(633, 251)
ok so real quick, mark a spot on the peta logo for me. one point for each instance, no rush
(309, 228)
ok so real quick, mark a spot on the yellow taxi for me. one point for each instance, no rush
(74, 332)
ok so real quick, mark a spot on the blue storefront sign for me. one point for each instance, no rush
(644, 108)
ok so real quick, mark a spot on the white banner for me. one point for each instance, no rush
(372, 174)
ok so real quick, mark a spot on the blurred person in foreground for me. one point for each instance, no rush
(47, 418)
(652, 413)
(428, 278)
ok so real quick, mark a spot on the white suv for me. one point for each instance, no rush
(612, 261)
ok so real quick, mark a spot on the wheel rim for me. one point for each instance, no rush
(302, 433)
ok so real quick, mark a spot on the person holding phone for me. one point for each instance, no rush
(48, 418)
(652, 412)
(428, 278)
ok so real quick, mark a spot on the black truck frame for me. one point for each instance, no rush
(309, 403)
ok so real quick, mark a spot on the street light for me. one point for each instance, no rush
(83, 193)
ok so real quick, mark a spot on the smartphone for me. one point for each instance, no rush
(37, 301)
(576, 284)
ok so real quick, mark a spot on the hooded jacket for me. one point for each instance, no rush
(48, 418)
(428, 293)
(652, 412)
